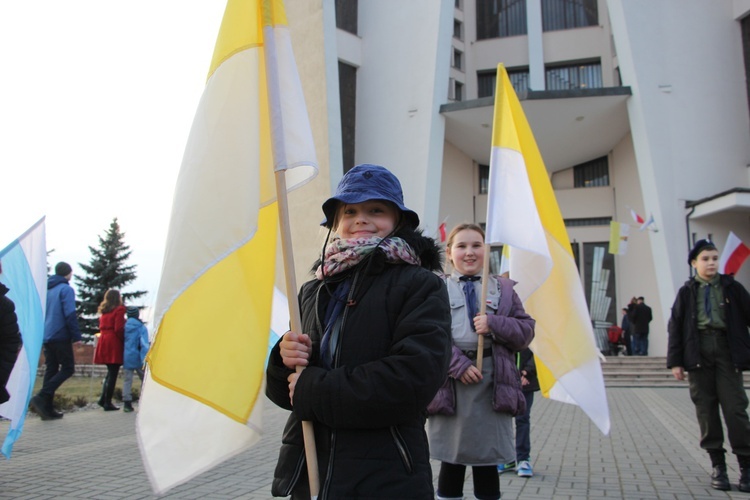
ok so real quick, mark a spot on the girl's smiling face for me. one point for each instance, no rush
(366, 219)
(466, 252)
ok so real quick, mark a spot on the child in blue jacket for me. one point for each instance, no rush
(136, 347)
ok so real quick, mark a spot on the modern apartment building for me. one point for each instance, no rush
(636, 105)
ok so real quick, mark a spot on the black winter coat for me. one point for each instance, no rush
(10, 340)
(527, 362)
(368, 411)
(640, 318)
(684, 345)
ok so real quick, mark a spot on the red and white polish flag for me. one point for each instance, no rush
(637, 218)
(735, 253)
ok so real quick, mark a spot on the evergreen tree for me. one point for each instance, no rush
(106, 269)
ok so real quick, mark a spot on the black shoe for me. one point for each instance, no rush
(128, 407)
(56, 414)
(110, 407)
(745, 480)
(39, 404)
(720, 480)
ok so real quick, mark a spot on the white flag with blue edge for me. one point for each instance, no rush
(23, 269)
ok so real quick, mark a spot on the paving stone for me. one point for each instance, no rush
(651, 453)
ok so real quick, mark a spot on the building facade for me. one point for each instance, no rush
(637, 106)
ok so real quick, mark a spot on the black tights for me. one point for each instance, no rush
(451, 481)
(108, 388)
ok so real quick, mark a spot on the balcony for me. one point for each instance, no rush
(570, 126)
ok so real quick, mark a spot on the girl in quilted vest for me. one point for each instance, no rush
(471, 422)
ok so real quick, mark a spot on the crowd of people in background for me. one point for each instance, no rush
(632, 333)
(116, 344)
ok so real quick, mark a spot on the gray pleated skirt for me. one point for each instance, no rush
(476, 434)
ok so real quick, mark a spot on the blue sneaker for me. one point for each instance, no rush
(506, 467)
(524, 469)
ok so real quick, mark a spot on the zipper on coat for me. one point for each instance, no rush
(329, 473)
(343, 320)
(402, 449)
(327, 484)
(296, 474)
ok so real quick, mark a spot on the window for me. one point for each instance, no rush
(458, 29)
(593, 173)
(455, 90)
(520, 80)
(575, 76)
(568, 14)
(458, 95)
(500, 18)
(576, 247)
(486, 81)
(346, 15)
(599, 277)
(348, 103)
(589, 221)
(458, 59)
(484, 179)
(496, 256)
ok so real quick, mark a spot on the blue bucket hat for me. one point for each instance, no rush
(368, 182)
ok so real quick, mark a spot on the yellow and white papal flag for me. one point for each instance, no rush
(522, 213)
(201, 402)
(618, 237)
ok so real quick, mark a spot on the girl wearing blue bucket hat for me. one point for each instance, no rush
(376, 346)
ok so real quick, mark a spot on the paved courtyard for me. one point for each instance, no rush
(651, 452)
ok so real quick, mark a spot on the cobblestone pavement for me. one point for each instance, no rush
(652, 452)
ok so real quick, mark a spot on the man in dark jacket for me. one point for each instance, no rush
(10, 340)
(61, 331)
(708, 337)
(640, 319)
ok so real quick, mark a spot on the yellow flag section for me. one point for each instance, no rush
(522, 213)
(618, 238)
(201, 402)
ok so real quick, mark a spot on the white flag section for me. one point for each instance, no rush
(205, 383)
(522, 213)
(279, 319)
(24, 272)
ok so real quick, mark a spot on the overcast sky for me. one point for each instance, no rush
(96, 102)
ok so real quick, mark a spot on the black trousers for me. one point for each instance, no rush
(108, 388)
(60, 365)
(718, 384)
(451, 481)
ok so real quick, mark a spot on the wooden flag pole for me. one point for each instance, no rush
(296, 321)
(483, 303)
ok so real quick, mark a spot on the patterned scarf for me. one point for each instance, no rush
(345, 254)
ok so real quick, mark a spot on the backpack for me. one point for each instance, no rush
(614, 333)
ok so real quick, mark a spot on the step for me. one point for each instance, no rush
(643, 371)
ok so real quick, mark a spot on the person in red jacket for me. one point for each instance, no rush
(110, 346)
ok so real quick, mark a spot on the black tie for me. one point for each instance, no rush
(471, 297)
